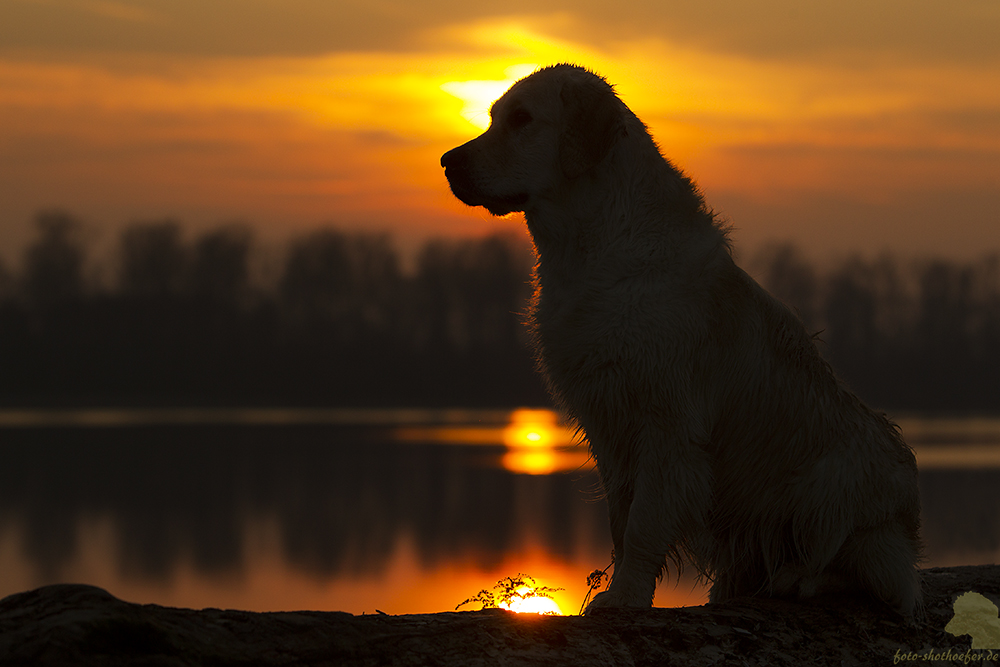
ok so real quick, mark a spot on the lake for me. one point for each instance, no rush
(401, 511)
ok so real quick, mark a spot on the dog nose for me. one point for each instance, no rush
(453, 158)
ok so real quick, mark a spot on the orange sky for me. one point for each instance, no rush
(846, 126)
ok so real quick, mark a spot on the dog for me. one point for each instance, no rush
(721, 436)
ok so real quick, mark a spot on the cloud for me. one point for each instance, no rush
(360, 131)
(779, 30)
(118, 11)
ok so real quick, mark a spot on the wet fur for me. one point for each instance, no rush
(721, 436)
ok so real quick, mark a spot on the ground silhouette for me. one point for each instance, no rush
(84, 626)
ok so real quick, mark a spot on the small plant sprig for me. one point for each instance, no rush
(595, 579)
(507, 590)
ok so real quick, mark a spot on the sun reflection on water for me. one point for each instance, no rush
(535, 441)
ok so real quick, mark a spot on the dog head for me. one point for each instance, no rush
(552, 126)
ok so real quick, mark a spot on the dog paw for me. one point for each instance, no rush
(611, 599)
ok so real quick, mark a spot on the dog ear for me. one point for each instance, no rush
(592, 122)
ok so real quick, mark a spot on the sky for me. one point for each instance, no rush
(854, 126)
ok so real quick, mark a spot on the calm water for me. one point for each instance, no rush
(401, 511)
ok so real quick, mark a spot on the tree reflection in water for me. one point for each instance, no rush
(265, 513)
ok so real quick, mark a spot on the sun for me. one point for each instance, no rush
(477, 96)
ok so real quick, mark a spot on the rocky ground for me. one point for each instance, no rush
(83, 625)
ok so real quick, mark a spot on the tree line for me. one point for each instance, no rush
(918, 335)
(186, 322)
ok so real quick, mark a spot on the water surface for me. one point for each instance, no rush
(357, 510)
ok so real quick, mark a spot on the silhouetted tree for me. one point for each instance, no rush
(6, 283)
(986, 323)
(474, 292)
(154, 260)
(347, 284)
(945, 308)
(789, 276)
(53, 266)
(957, 331)
(377, 282)
(436, 318)
(220, 266)
(863, 312)
(495, 291)
(317, 276)
(850, 311)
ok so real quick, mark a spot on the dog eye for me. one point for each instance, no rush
(518, 118)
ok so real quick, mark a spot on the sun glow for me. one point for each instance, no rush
(477, 96)
(535, 429)
(524, 601)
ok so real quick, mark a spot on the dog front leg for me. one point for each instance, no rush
(668, 506)
(619, 501)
